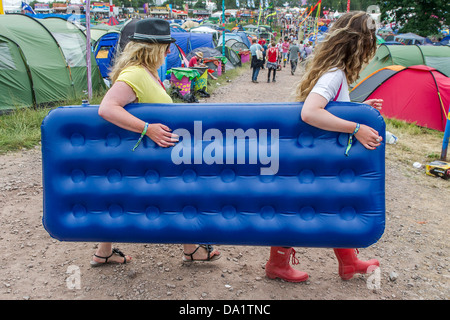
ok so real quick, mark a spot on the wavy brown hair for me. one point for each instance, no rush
(149, 55)
(349, 44)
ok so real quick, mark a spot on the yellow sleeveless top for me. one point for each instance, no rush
(147, 89)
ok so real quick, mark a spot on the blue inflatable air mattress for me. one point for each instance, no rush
(242, 174)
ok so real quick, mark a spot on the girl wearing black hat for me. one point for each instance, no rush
(135, 80)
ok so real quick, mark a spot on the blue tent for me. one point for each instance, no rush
(244, 38)
(189, 40)
(105, 50)
(444, 42)
(186, 41)
(239, 36)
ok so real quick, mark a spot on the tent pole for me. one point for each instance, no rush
(445, 141)
(223, 24)
(88, 48)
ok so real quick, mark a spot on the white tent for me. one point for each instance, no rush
(188, 24)
(12, 6)
(409, 38)
(204, 29)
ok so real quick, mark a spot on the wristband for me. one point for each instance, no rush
(141, 137)
(350, 140)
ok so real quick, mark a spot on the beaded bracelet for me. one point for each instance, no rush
(141, 137)
(350, 140)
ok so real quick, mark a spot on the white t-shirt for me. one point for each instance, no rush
(328, 85)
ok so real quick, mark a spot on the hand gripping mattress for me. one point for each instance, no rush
(242, 174)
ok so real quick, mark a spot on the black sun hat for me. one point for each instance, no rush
(152, 30)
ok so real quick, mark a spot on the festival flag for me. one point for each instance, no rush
(311, 11)
(1, 7)
(260, 11)
(316, 28)
(237, 3)
(26, 7)
(348, 5)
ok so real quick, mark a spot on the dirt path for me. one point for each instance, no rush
(413, 252)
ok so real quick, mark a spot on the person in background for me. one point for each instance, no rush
(308, 49)
(197, 60)
(272, 61)
(135, 80)
(263, 44)
(294, 54)
(256, 63)
(301, 47)
(280, 50)
(285, 50)
(337, 61)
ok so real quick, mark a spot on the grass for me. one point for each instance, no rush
(415, 144)
(21, 129)
(228, 76)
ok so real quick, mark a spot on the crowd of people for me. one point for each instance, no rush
(278, 55)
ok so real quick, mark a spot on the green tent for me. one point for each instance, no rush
(72, 41)
(15, 85)
(98, 30)
(437, 57)
(37, 63)
(380, 40)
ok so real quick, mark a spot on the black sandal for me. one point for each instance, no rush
(209, 248)
(115, 251)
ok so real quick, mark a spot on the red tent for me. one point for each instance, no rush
(113, 21)
(416, 94)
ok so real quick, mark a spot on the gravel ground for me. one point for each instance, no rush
(413, 252)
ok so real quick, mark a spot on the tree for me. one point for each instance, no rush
(128, 3)
(200, 4)
(175, 4)
(423, 17)
(341, 5)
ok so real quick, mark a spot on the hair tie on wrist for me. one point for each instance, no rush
(350, 140)
(141, 137)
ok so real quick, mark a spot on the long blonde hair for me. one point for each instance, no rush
(349, 44)
(149, 55)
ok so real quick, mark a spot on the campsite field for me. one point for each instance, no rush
(413, 251)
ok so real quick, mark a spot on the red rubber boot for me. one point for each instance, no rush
(278, 265)
(349, 264)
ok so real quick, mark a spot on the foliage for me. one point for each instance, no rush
(423, 17)
(21, 129)
(340, 5)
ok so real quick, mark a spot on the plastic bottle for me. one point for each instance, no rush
(390, 138)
